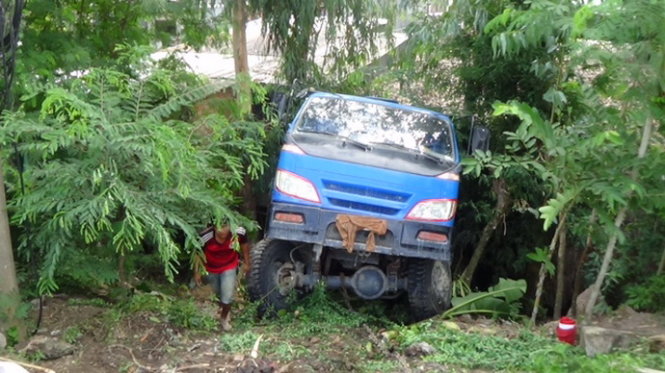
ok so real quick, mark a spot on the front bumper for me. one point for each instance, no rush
(319, 228)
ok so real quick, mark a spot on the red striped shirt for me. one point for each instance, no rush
(220, 257)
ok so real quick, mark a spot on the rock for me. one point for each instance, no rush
(597, 340)
(657, 343)
(256, 366)
(480, 329)
(450, 325)
(420, 349)
(550, 327)
(583, 299)
(7, 367)
(3, 342)
(48, 348)
(625, 312)
(389, 335)
(467, 319)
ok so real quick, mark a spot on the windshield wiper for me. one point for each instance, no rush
(345, 139)
(442, 159)
(364, 146)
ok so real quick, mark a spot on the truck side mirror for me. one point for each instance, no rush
(479, 139)
(281, 103)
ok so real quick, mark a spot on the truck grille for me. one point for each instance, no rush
(363, 206)
(366, 191)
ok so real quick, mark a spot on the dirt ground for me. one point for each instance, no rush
(143, 343)
(140, 343)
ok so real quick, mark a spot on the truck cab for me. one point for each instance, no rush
(364, 198)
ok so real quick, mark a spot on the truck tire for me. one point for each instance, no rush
(429, 287)
(270, 274)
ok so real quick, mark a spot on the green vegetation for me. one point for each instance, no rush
(500, 300)
(648, 295)
(181, 312)
(111, 164)
(72, 334)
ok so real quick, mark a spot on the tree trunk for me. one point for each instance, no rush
(542, 272)
(661, 264)
(122, 271)
(618, 222)
(10, 22)
(248, 198)
(560, 275)
(240, 56)
(244, 94)
(580, 263)
(503, 202)
(9, 295)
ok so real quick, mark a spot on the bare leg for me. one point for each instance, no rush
(225, 316)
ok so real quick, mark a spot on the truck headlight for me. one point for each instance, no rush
(433, 210)
(296, 186)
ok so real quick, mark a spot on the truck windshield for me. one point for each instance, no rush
(378, 125)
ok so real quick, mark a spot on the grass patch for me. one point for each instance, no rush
(238, 343)
(527, 352)
(560, 357)
(372, 366)
(319, 314)
(72, 334)
(182, 312)
(97, 302)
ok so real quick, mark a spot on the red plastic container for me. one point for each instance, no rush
(566, 331)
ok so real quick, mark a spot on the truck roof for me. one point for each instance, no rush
(382, 101)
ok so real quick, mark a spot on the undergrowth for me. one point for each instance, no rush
(527, 352)
(322, 329)
(315, 319)
(182, 312)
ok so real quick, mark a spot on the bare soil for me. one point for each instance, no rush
(140, 342)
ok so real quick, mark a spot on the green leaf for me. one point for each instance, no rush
(542, 255)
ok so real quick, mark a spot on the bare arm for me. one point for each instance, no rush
(245, 255)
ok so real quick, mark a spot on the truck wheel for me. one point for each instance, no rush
(429, 286)
(272, 276)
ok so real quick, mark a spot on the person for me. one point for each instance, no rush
(221, 263)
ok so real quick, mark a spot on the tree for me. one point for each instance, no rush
(114, 166)
(240, 55)
(351, 29)
(105, 44)
(605, 116)
(10, 21)
(637, 59)
(449, 55)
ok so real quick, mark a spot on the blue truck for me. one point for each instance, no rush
(364, 198)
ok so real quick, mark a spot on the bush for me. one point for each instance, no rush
(648, 296)
(114, 166)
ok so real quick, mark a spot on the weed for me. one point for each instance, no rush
(286, 351)
(187, 314)
(72, 334)
(560, 357)
(379, 366)
(648, 296)
(35, 356)
(244, 317)
(12, 336)
(528, 352)
(238, 343)
(97, 302)
(181, 312)
(319, 314)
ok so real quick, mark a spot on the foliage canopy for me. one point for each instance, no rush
(113, 165)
